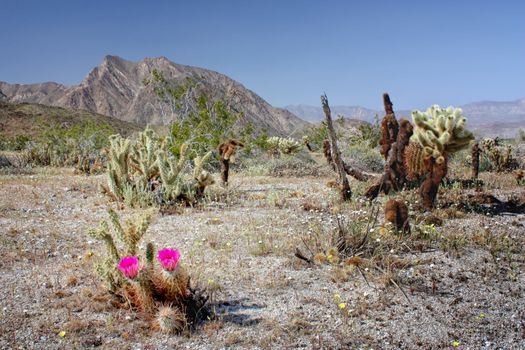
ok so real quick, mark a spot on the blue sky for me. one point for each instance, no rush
(288, 52)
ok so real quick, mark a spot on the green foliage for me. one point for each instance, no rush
(79, 146)
(16, 143)
(201, 122)
(364, 157)
(370, 134)
(316, 135)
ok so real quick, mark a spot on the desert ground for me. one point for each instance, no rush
(455, 282)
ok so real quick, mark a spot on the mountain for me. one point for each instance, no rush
(116, 88)
(488, 118)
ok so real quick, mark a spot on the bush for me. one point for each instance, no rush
(362, 156)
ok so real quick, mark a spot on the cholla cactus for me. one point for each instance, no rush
(138, 169)
(283, 145)
(500, 156)
(441, 131)
(170, 170)
(202, 177)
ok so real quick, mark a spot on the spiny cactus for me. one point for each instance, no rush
(144, 155)
(170, 170)
(144, 171)
(413, 159)
(389, 127)
(162, 289)
(281, 145)
(227, 151)
(396, 212)
(200, 175)
(500, 156)
(171, 320)
(440, 132)
(129, 236)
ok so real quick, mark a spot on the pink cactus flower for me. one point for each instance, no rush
(169, 258)
(129, 266)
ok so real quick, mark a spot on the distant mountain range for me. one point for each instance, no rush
(116, 88)
(488, 118)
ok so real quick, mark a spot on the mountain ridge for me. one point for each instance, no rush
(115, 88)
(489, 118)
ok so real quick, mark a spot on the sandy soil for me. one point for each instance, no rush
(464, 289)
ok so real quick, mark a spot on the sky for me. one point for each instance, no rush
(289, 51)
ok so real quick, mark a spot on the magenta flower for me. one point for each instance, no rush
(129, 266)
(169, 258)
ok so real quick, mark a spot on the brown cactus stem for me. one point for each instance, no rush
(389, 127)
(429, 188)
(475, 160)
(225, 170)
(346, 192)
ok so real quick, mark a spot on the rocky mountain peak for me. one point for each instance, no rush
(115, 88)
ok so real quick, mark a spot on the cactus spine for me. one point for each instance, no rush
(440, 132)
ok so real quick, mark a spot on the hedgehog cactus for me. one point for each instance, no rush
(153, 288)
(440, 132)
(129, 235)
(171, 320)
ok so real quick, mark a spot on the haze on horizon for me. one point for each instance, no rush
(289, 53)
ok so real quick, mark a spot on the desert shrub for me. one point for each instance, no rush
(79, 146)
(301, 164)
(159, 289)
(16, 143)
(202, 123)
(362, 156)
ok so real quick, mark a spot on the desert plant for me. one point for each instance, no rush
(389, 127)
(156, 289)
(396, 212)
(280, 145)
(227, 151)
(395, 138)
(500, 156)
(440, 132)
(143, 171)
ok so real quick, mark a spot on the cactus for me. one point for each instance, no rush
(500, 156)
(170, 170)
(413, 159)
(203, 178)
(171, 320)
(140, 170)
(440, 132)
(162, 289)
(129, 235)
(281, 145)
(396, 212)
(227, 151)
(475, 160)
(389, 127)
